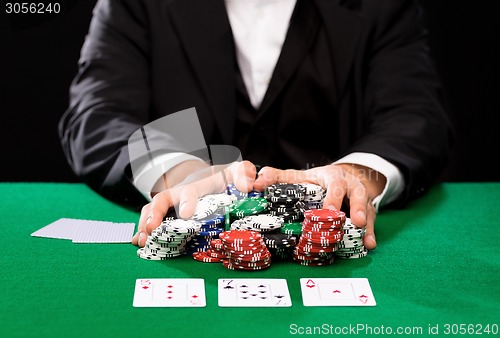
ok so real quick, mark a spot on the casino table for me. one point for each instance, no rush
(436, 268)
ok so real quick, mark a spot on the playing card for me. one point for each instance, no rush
(336, 292)
(87, 231)
(169, 292)
(254, 293)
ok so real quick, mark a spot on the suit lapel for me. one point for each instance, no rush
(206, 36)
(343, 28)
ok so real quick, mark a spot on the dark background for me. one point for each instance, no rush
(38, 60)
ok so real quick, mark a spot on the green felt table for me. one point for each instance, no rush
(437, 263)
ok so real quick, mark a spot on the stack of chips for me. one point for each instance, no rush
(286, 201)
(314, 196)
(245, 250)
(210, 214)
(321, 234)
(351, 245)
(259, 223)
(215, 254)
(169, 239)
(280, 245)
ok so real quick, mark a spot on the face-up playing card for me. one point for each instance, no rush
(254, 293)
(336, 292)
(169, 292)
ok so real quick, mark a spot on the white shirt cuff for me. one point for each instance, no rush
(395, 180)
(149, 174)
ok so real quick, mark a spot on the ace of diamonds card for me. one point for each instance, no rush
(336, 292)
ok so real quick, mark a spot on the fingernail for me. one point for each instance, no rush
(362, 215)
(331, 207)
(141, 236)
(148, 220)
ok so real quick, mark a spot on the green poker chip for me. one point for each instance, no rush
(248, 206)
(291, 228)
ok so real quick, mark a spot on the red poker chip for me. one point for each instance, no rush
(325, 215)
(300, 252)
(247, 246)
(230, 266)
(312, 250)
(250, 259)
(216, 244)
(332, 235)
(244, 248)
(306, 241)
(216, 254)
(309, 227)
(206, 258)
(240, 236)
(322, 225)
(250, 264)
(320, 242)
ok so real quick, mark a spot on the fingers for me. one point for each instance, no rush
(269, 175)
(152, 215)
(336, 189)
(141, 230)
(358, 201)
(369, 240)
(188, 198)
(242, 174)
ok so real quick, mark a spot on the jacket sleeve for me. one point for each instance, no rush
(402, 109)
(109, 100)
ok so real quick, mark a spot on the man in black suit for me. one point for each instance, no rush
(343, 88)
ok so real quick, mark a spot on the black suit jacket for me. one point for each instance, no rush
(143, 59)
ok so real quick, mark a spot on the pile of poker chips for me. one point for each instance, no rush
(169, 239)
(215, 254)
(245, 250)
(209, 213)
(321, 233)
(314, 196)
(286, 200)
(259, 223)
(351, 246)
(280, 246)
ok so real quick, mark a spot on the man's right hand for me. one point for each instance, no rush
(210, 180)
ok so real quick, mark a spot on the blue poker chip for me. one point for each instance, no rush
(214, 219)
(211, 233)
(231, 190)
(255, 193)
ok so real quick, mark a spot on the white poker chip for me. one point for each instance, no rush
(259, 223)
(345, 255)
(222, 200)
(205, 207)
(313, 189)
